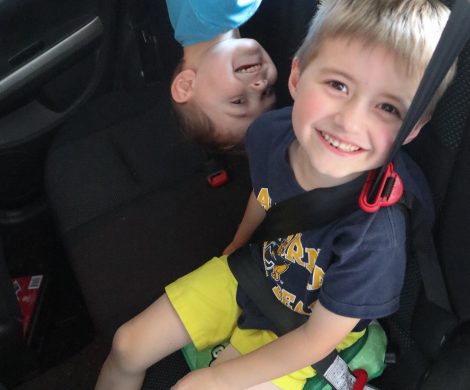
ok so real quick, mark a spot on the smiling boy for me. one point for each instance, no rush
(348, 111)
(223, 82)
(352, 82)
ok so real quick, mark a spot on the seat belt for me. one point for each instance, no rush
(216, 173)
(309, 210)
(381, 189)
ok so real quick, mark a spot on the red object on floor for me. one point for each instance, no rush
(27, 292)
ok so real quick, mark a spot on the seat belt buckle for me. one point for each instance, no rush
(216, 173)
(389, 192)
(218, 178)
(361, 379)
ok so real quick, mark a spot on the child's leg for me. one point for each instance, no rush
(230, 353)
(141, 342)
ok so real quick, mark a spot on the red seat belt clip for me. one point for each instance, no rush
(361, 379)
(389, 192)
(218, 178)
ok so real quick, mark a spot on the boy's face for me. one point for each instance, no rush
(233, 85)
(349, 103)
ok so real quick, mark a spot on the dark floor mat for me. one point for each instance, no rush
(166, 373)
(80, 372)
(77, 373)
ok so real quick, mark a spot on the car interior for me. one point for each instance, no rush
(104, 201)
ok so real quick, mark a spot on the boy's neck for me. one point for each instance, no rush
(192, 54)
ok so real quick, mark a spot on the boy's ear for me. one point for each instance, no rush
(182, 87)
(294, 77)
(414, 133)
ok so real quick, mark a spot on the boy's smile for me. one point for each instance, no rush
(349, 103)
(233, 86)
(337, 145)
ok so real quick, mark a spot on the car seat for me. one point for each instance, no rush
(130, 224)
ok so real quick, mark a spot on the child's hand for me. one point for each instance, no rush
(232, 247)
(203, 379)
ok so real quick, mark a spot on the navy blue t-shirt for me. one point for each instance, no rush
(354, 266)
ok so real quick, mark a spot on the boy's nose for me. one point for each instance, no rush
(351, 116)
(260, 85)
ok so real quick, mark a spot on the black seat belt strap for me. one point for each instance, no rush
(254, 283)
(324, 204)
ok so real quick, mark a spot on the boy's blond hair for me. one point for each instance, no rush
(409, 28)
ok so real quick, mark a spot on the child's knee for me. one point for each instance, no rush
(124, 351)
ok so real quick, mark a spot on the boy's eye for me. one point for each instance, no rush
(338, 85)
(390, 109)
(239, 100)
(268, 91)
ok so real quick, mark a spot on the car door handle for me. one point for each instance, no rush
(26, 54)
(49, 58)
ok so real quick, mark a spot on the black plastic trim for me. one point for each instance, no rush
(50, 58)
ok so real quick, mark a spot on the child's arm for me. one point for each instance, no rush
(305, 345)
(254, 215)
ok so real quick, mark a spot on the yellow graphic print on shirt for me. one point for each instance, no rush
(264, 199)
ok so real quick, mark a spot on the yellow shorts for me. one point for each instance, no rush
(205, 301)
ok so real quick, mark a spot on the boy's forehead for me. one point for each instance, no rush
(364, 46)
(375, 67)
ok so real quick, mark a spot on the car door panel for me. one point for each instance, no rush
(42, 64)
(54, 56)
(51, 54)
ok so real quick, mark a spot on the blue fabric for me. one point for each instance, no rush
(197, 21)
(354, 266)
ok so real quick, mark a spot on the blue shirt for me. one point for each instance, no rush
(197, 21)
(354, 266)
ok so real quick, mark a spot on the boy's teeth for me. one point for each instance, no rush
(249, 69)
(339, 145)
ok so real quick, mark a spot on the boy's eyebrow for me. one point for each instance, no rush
(404, 101)
(338, 72)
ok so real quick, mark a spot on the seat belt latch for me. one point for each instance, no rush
(389, 192)
(216, 173)
(218, 178)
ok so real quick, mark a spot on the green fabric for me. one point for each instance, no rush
(367, 353)
(200, 359)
